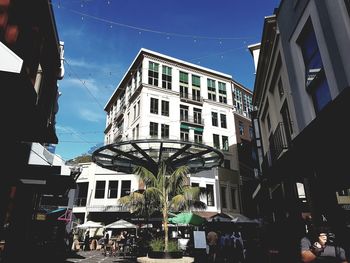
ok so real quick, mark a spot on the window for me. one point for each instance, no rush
(222, 92)
(138, 108)
(347, 3)
(223, 121)
(227, 164)
(166, 77)
(135, 111)
(184, 134)
(198, 136)
(214, 118)
(315, 78)
(225, 145)
(287, 122)
(137, 131)
(153, 70)
(140, 74)
(197, 116)
(183, 85)
(241, 127)
(154, 105)
(280, 88)
(210, 195)
(268, 122)
(216, 141)
(113, 189)
(100, 189)
(196, 88)
(165, 108)
(126, 187)
(153, 129)
(238, 100)
(195, 184)
(233, 198)
(211, 89)
(251, 132)
(82, 194)
(183, 113)
(165, 131)
(223, 196)
(247, 103)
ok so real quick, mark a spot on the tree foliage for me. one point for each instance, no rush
(166, 191)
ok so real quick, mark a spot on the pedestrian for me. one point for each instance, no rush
(87, 241)
(212, 239)
(238, 248)
(315, 248)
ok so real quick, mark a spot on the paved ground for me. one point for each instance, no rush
(96, 257)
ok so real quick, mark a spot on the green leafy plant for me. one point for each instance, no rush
(167, 191)
(158, 244)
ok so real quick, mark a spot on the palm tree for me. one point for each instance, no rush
(167, 190)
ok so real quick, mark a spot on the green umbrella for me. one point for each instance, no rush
(187, 218)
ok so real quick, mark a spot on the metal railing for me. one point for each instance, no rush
(189, 96)
(191, 119)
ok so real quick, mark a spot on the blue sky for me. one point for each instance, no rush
(102, 37)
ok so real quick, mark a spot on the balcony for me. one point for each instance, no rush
(187, 97)
(118, 134)
(119, 114)
(135, 94)
(106, 208)
(192, 120)
(277, 144)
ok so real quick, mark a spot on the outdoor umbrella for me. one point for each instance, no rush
(90, 224)
(187, 218)
(121, 224)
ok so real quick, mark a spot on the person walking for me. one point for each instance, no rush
(315, 248)
(87, 241)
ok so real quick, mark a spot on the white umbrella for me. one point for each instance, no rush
(90, 224)
(121, 224)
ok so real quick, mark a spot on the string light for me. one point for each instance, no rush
(142, 29)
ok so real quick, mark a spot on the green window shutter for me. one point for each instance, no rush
(222, 86)
(183, 77)
(195, 80)
(153, 66)
(167, 70)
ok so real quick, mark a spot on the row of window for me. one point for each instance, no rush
(112, 190)
(184, 135)
(223, 191)
(153, 77)
(209, 193)
(154, 106)
(184, 116)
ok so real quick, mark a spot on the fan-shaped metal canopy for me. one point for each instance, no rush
(124, 156)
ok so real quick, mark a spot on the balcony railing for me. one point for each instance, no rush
(280, 139)
(192, 119)
(191, 98)
(119, 114)
(106, 208)
(277, 144)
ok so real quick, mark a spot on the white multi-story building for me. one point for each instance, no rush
(166, 98)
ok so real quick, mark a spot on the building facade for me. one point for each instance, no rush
(28, 36)
(167, 98)
(301, 93)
